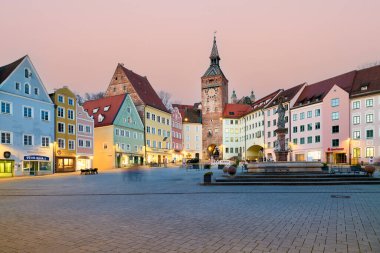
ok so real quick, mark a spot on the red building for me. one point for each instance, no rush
(177, 138)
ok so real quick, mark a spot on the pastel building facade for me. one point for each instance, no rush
(26, 121)
(365, 116)
(153, 113)
(85, 139)
(177, 129)
(118, 133)
(65, 130)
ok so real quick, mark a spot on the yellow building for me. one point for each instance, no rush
(65, 130)
(154, 114)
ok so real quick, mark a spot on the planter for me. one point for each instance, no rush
(370, 169)
(232, 170)
(225, 169)
(207, 178)
(207, 166)
(221, 166)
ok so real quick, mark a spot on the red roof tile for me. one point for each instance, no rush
(6, 70)
(114, 102)
(367, 81)
(315, 93)
(189, 113)
(145, 90)
(236, 110)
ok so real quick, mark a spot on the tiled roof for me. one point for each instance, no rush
(315, 93)
(367, 81)
(6, 70)
(262, 102)
(189, 113)
(98, 109)
(287, 94)
(145, 90)
(236, 110)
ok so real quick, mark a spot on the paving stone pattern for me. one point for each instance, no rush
(167, 210)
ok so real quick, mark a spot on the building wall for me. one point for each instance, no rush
(17, 125)
(153, 138)
(104, 148)
(85, 135)
(252, 128)
(362, 147)
(192, 140)
(232, 144)
(177, 141)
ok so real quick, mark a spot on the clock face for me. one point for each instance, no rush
(211, 92)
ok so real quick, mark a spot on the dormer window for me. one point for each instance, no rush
(231, 113)
(106, 108)
(100, 118)
(364, 88)
(27, 88)
(95, 110)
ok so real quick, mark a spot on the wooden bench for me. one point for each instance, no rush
(90, 171)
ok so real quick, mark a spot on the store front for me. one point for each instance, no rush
(36, 165)
(124, 160)
(336, 155)
(6, 168)
(84, 162)
(65, 164)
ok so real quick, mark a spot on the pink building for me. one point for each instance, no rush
(177, 140)
(85, 139)
(320, 121)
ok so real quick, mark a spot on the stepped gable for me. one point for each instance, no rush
(98, 108)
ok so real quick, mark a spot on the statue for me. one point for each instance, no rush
(281, 114)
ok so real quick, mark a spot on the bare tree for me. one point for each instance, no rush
(93, 96)
(165, 98)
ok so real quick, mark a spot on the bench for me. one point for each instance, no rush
(90, 171)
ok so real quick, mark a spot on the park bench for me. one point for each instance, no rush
(90, 171)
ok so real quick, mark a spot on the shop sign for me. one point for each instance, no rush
(36, 157)
(335, 149)
(7, 154)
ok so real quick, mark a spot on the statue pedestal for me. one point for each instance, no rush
(282, 152)
(281, 156)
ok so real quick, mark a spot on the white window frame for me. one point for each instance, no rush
(80, 143)
(23, 140)
(70, 100)
(63, 99)
(29, 88)
(63, 141)
(63, 110)
(68, 129)
(42, 141)
(68, 146)
(90, 146)
(88, 127)
(31, 111)
(10, 137)
(10, 107)
(79, 128)
(48, 113)
(69, 111)
(64, 127)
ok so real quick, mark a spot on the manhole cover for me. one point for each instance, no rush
(340, 196)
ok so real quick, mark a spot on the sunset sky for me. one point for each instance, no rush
(264, 45)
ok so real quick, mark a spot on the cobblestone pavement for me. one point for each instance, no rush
(167, 210)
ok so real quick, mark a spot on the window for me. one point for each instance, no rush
(295, 129)
(295, 141)
(268, 112)
(28, 140)
(6, 138)
(317, 138)
(71, 101)
(309, 127)
(357, 153)
(61, 99)
(335, 129)
(6, 107)
(275, 122)
(370, 152)
(295, 117)
(61, 112)
(27, 88)
(167, 122)
(369, 118)
(154, 117)
(159, 132)
(148, 143)
(317, 112)
(128, 109)
(302, 140)
(227, 150)
(28, 112)
(71, 129)
(158, 118)
(369, 102)
(334, 102)
(27, 73)
(95, 110)
(61, 127)
(148, 129)
(71, 145)
(302, 115)
(45, 141)
(153, 130)
(309, 114)
(148, 115)
(117, 132)
(70, 114)
(122, 132)
(268, 123)
(88, 129)
(269, 134)
(36, 91)
(88, 144)
(335, 115)
(80, 143)
(159, 144)
(61, 143)
(18, 86)
(154, 144)
(356, 135)
(356, 105)
(127, 133)
(302, 128)
(356, 120)
(80, 128)
(310, 139)
(335, 142)
(369, 134)
(44, 115)
(317, 125)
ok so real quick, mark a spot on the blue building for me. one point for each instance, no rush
(26, 121)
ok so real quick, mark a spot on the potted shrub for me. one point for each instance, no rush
(370, 169)
(232, 170)
(207, 177)
(207, 166)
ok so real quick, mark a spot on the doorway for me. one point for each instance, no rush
(6, 168)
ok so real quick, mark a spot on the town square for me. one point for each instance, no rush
(205, 126)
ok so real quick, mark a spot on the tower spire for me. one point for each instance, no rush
(214, 57)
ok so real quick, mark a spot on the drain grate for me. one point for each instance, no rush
(340, 196)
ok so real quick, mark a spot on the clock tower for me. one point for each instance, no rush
(214, 97)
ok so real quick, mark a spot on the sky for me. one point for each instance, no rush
(264, 45)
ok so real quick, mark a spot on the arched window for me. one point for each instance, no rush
(27, 88)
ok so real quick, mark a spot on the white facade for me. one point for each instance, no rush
(231, 138)
(192, 140)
